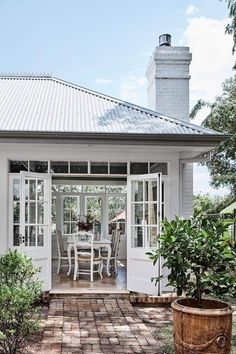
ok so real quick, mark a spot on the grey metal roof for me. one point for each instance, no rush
(48, 104)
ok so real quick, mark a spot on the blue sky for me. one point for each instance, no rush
(105, 44)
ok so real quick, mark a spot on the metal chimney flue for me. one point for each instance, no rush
(165, 40)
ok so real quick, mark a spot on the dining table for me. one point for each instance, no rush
(102, 242)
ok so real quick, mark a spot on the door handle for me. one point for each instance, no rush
(21, 239)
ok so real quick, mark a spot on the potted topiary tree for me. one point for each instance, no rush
(201, 264)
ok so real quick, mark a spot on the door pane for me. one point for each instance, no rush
(136, 236)
(151, 190)
(40, 235)
(40, 189)
(16, 234)
(137, 214)
(152, 236)
(137, 191)
(16, 189)
(32, 189)
(40, 213)
(16, 212)
(151, 213)
(32, 213)
(32, 236)
(116, 213)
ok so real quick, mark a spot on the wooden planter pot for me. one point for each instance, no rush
(202, 330)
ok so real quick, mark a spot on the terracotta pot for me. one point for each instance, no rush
(202, 330)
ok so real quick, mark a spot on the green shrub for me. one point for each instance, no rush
(19, 290)
(199, 256)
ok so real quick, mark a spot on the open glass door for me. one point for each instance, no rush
(35, 222)
(143, 230)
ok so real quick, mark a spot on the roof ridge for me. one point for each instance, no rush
(135, 106)
(26, 75)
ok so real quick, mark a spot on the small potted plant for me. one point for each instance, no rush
(201, 263)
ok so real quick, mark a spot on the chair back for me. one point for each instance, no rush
(60, 246)
(115, 242)
(83, 244)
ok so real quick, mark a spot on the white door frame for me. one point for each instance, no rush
(139, 267)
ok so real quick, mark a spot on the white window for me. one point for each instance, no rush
(71, 211)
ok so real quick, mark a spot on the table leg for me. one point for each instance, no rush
(69, 248)
(108, 259)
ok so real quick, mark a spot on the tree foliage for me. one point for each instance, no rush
(199, 256)
(205, 204)
(231, 27)
(222, 118)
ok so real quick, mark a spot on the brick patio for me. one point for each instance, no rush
(100, 326)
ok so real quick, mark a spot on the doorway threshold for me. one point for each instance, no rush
(88, 291)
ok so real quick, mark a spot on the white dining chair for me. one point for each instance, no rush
(115, 245)
(87, 255)
(61, 252)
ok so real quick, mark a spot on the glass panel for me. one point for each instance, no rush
(16, 212)
(32, 212)
(136, 236)
(119, 168)
(137, 168)
(66, 228)
(26, 212)
(40, 213)
(94, 208)
(137, 191)
(99, 167)
(116, 213)
(159, 167)
(26, 189)
(151, 190)
(151, 236)
(17, 166)
(40, 189)
(26, 235)
(94, 189)
(137, 214)
(32, 189)
(40, 236)
(116, 189)
(67, 215)
(32, 236)
(39, 166)
(78, 167)
(53, 214)
(73, 227)
(59, 166)
(16, 234)
(151, 213)
(16, 189)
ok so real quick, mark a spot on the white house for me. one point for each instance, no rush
(60, 142)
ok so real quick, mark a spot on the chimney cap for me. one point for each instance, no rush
(165, 40)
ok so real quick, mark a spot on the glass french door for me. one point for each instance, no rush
(143, 231)
(35, 222)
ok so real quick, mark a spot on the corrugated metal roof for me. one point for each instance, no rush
(48, 104)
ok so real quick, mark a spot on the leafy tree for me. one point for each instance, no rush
(205, 204)
(222, 118)
(199, 256)
(231, 27)
(19, 290)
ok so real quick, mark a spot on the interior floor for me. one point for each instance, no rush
(61, 283)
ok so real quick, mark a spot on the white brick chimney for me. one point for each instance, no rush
(168, 79)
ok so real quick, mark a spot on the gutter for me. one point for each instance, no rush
(112, 138)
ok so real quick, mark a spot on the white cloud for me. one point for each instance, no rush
(132, 88)
(191, 10)
(212, 58)
(103, 81)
